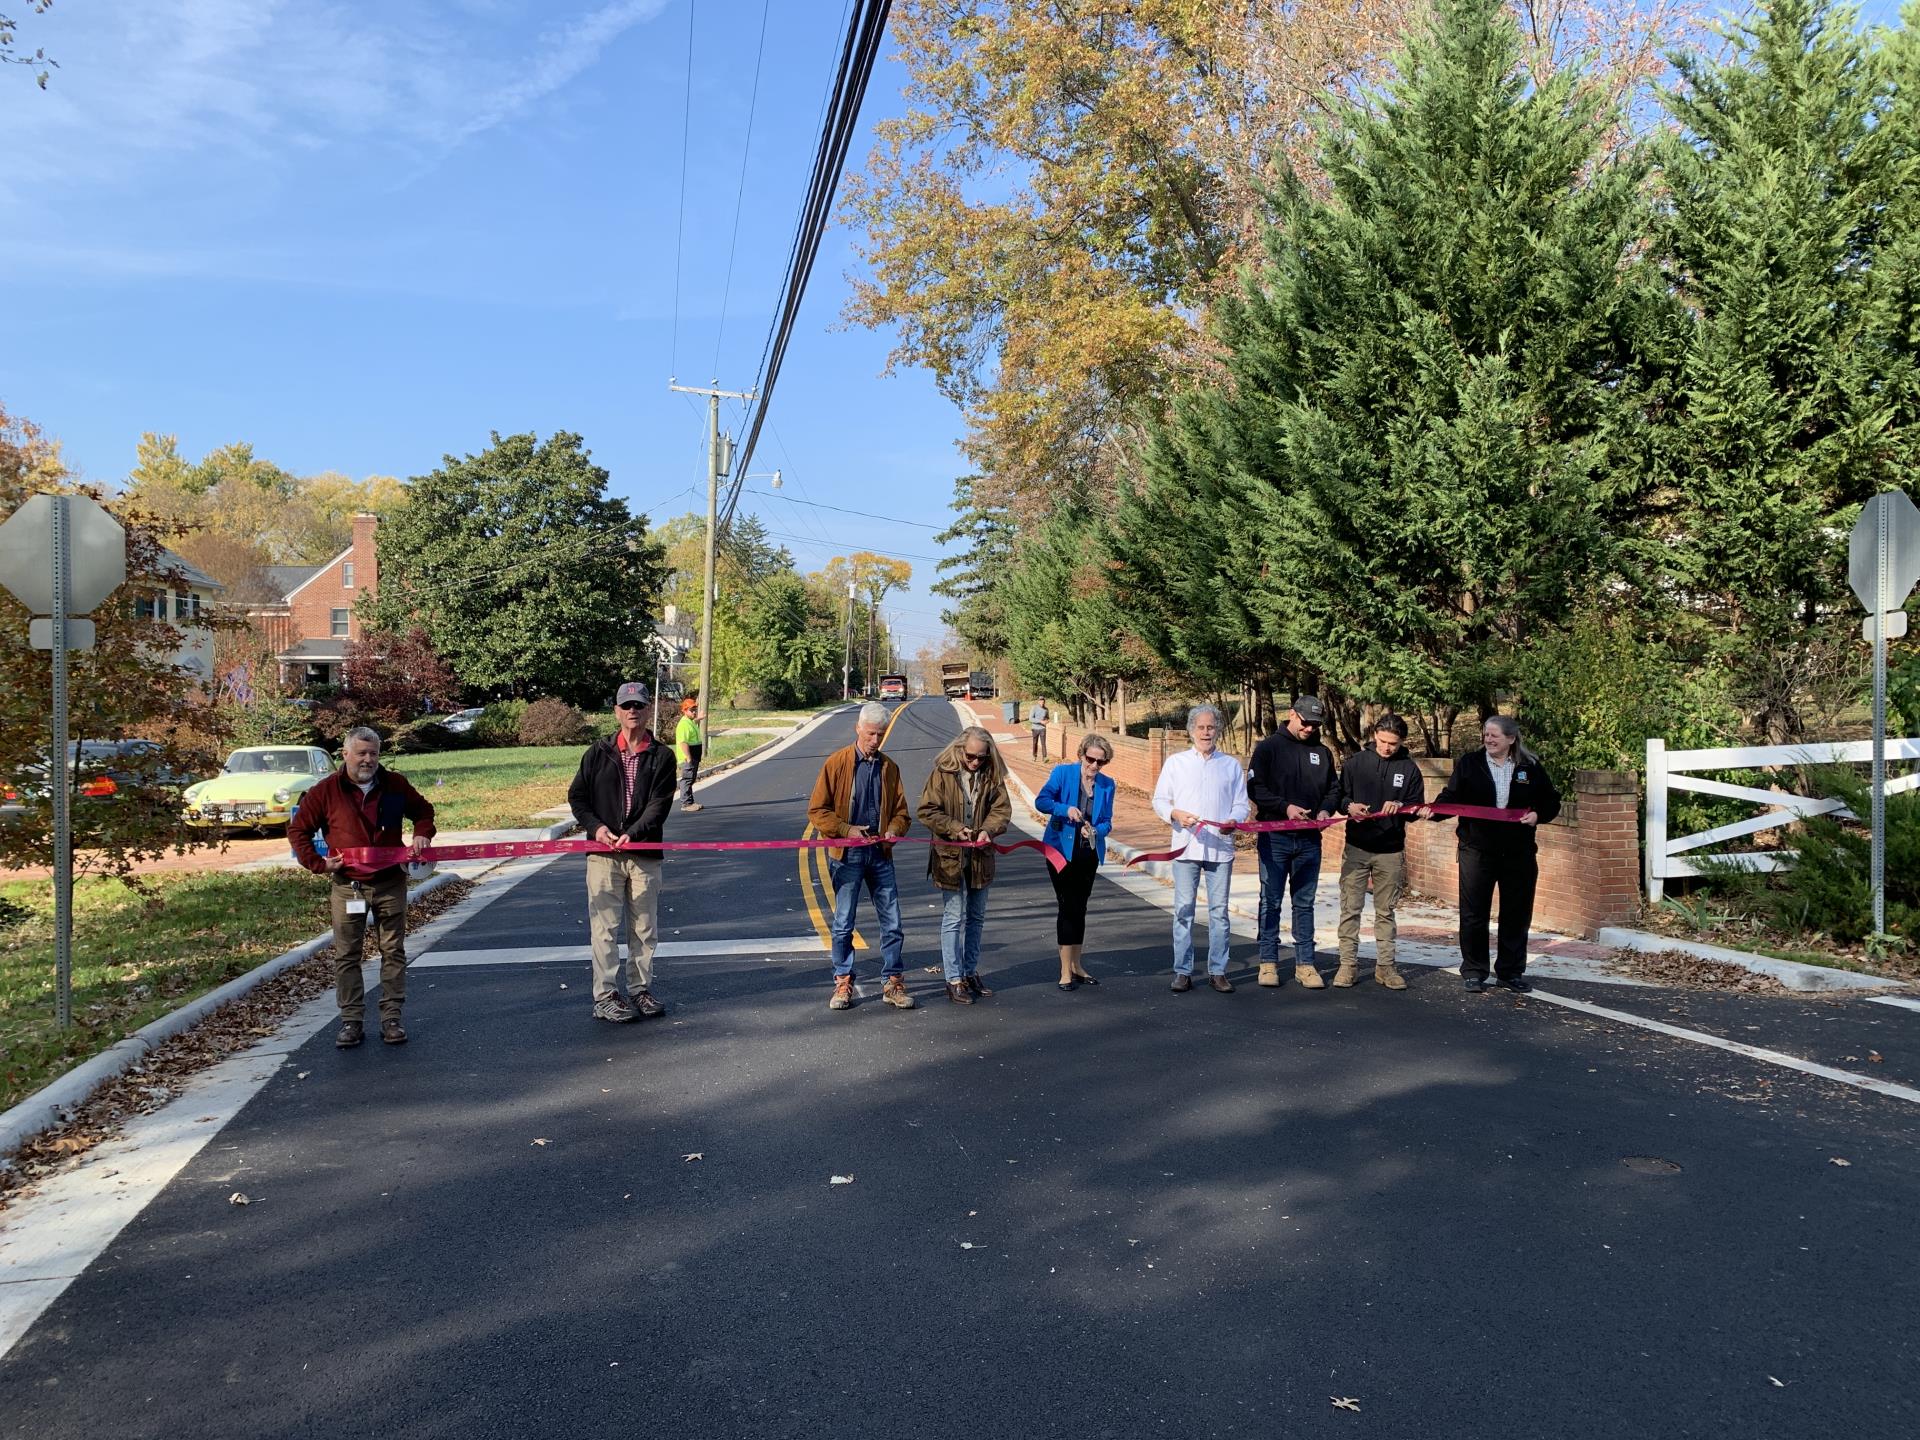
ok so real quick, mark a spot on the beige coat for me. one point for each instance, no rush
(944, 811)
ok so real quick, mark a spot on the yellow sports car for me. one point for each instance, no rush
(260, 785)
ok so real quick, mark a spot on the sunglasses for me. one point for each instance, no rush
(1098, 764)
(976, 759)
(633, 705)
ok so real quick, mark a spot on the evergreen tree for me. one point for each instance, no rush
(1428, 384)
(978, 615)
(527, 578)
(1792, 355)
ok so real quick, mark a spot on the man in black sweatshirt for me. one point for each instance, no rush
(1381, 779)
(1291, 777)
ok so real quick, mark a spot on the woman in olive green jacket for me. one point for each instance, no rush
(965, 799)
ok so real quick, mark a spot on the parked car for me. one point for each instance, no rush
(462, 721)
(260, 785)
(98, 770)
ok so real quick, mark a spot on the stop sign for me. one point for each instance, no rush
(96, 550)
(1903, 551)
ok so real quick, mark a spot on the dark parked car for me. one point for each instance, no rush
(99, 771)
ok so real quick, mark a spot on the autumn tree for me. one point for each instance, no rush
(873, 578)
(127, 686)
(394, 677)
(12, 52)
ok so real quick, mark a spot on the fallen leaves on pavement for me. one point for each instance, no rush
(1345, 1402)
(1681, 969)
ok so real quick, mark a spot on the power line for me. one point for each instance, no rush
(680, 233)
(849, 545)
(858, 53)
(740, 192)
(863, 514)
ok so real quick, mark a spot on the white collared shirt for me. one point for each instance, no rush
(1209, 786)
(1502, 772)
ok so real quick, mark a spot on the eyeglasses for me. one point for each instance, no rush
(969, 755)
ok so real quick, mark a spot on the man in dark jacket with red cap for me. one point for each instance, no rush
(362, 804)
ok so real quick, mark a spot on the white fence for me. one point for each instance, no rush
(1670, 770)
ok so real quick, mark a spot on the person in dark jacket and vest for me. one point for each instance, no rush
(1291, 777)
(1499, 855)
(858, 793)
(965, 798)
(621, 796)
(1381, 780)
(362, 804)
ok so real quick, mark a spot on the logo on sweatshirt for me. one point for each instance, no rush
(1520, 776)
(1399, 781)
(1314, 758)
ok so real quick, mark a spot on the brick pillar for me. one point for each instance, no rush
(1607, 820)
(1156, 755)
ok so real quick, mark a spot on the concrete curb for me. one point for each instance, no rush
(48, 1106)
(1813, 979)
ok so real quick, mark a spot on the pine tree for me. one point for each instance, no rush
(1788, 236)
(1429, 382)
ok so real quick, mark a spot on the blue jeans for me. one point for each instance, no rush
(1288, 857)
(962, 916)
(1186, 887)
(866, 866)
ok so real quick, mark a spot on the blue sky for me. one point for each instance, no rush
(361, 235)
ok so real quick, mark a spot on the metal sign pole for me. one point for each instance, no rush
(1880, 608)
(62, 817)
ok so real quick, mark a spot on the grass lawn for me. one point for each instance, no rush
(134, 959)
(503, 789)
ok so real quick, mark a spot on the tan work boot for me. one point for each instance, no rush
(1385, 974)
(1344, 977)
(1308, 978)
(842, 993)
(894, 992)
(1269, 975)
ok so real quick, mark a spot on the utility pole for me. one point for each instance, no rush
(719, 462)
(846, 664)
(871, 608)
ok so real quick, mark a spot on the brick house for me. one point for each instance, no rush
(309, 626)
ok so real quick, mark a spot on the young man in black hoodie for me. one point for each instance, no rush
(621, 797)
(1381, 780)
(1291, 777)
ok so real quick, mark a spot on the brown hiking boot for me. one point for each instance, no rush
(1220, 983)
(1344, 977)
(1385, 974)
(391, 1031)
(893, 990)
(1308, 978)
(1269, 974)
(958, 993)
(975, 988)
(350, 1034)
(842, 993)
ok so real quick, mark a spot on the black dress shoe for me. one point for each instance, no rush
(1518, 986)
(1182, 983)
(1476, 986)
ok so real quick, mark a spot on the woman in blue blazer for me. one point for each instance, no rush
(1078, 803)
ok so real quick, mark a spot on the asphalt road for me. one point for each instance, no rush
(1115, 1212)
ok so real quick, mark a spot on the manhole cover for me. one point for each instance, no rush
(1649, 1165)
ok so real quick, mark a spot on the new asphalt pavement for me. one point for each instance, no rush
(1113, 1212)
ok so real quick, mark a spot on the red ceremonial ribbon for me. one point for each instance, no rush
(378, 857)
(1411, 812)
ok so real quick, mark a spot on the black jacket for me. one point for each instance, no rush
(1368, 780)
(1472, 784)
(595, 793)
(1286, 771)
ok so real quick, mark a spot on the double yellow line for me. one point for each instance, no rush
(813, 867)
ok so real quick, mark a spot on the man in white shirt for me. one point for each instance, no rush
(1203, 783)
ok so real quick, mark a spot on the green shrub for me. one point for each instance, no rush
(268, 722)
(499, 723)
(1828, 889)
(554, 722)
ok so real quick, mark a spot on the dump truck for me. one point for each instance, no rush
(955, 679)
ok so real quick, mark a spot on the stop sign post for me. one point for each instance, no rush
(1883, 562)
(60, 554)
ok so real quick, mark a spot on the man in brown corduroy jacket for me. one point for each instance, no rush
(858, 794)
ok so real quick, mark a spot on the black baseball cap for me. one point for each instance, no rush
(1309, 709)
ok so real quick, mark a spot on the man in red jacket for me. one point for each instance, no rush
(362, 803)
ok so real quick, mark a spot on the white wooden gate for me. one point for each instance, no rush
(1670, 770)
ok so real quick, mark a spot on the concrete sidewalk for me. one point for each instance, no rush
(1428, 932)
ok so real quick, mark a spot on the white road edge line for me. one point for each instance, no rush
(1751, 1052)
(582, 954)
(48, 1238)
(1900, 1000)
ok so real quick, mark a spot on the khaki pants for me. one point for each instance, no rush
(387, 908)
(1388, 873)
(623, 902)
